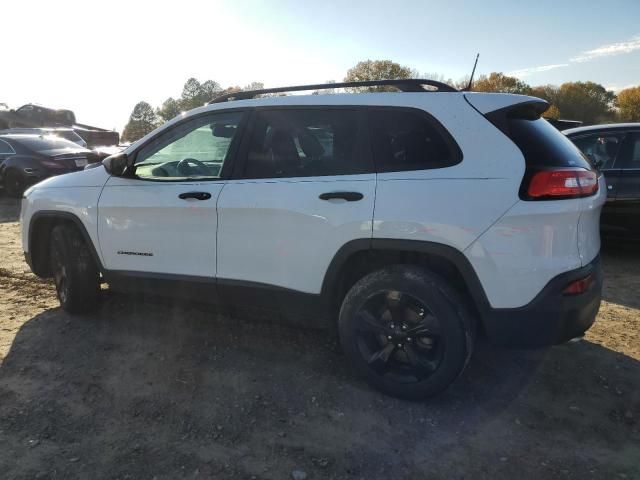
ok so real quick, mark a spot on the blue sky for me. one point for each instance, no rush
(104, 57)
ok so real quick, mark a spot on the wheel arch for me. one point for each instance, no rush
(40, 226)
(360, 257)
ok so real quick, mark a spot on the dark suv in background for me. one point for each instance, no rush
(615, 150)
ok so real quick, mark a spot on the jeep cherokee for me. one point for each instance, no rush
(414, 219)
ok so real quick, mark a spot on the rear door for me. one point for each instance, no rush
(304, 187)
(163, 220)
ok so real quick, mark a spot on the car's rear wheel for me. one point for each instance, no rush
(13, 183)
(75, 272)
(406, 331)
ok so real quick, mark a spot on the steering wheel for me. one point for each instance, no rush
(185, 168)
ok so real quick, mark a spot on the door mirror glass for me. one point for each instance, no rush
(116, 165)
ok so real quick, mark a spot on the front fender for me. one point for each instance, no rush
(78, 204)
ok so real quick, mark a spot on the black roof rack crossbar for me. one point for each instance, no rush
(404, 85)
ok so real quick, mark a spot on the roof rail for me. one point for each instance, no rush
(404, 85)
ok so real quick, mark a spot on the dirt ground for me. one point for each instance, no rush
(143, 390)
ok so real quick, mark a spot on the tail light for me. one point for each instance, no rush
(562, 183)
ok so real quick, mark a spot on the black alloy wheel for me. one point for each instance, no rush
(406, 331)
(399, 336)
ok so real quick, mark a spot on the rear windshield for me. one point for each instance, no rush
(42, 143)
(69, 135)
(543, 145)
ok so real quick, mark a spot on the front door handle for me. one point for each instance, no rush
(196, 195)
(348, 196)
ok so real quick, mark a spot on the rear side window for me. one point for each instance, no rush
(543, 146)
(600, 148)
(410, 140)
(304, 143)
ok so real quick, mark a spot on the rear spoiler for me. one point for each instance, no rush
(498, 107)
(490, 102)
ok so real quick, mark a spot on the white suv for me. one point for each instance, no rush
(415, 218)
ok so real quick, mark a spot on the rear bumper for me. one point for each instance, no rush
(552, 317)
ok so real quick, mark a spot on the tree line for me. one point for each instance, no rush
(588, 102)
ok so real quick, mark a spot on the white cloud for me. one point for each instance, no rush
(616, 88)
(608, 50)
(619, 48)
(524, 72)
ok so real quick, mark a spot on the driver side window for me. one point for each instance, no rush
(195, 149)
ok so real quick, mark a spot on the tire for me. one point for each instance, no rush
(406, 332)
(13, 183)
(74, 270)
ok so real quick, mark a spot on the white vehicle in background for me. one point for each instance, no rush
(414, 219)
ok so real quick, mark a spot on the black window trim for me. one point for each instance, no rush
(366, 154)
(454, 148)
(227, 167)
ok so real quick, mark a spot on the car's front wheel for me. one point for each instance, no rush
(75, 272)
(406, 331)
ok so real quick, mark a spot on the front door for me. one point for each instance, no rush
(163, 219)
(304, 187)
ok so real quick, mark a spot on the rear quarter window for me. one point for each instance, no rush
(407, 139)
(543, 146)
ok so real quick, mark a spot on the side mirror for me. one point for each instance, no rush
(116, 165)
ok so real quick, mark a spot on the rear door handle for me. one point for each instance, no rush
(348, 196)
(196, 195)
